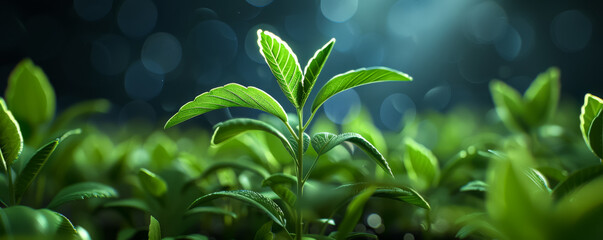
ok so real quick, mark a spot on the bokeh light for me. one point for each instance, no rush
(438, 97)
(92, 10)
(161, 53)
(213, 40)
(342, 107)
(374, 220)
(259, 3)
(508, 45)
(571, 31)
(142, 84)
(396, 109)
(486, 21)
(137, 18)
(110, 54)
(338, 10)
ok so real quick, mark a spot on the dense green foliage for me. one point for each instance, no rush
(530, 168)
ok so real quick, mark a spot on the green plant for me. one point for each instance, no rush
(296, 85)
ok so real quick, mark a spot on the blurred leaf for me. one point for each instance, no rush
(542, 97)
(233, 127)
(476, 185)
(78, 111)
(253, 198)
(83, 233)
(280, 183)
(283, 64)
(595, 136)
(265, 232)
(152, 183)
(314, 67)
(591, 108)
(188, 237)
(154, 229)
(509, 105)
(579, 212)
(356, 235)
(33, 167)
(133, 203)
(279, 178)
(421, 164)
(363, 125)
(29, 94)
(354, 78)
(21, 222)
(214, 210)
(323, 142)
(538, 179)
(229, 95)
(11, 140)
(83, 190)
(353, 213)
(242, 165)
(577, 179)
(293, 143)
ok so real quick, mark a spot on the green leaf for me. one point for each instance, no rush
(188, 237)
(244, 165)
(421, 164)
(356, 235)
(83, 190)
(577, 179)
(21, 222)
(542, 97)
(78, 111)
(133, 203)
(283, 64)
(538, 179)
(323, 142)
(354, 78)
(265, 232)
(476, 185)
(214, 210)
(29, 94)
(595, 136)
(229, 95)
(233, 127)
(293, 143)
(11, 140)
(154, 229)
(353, 213)
(591, 108)
(280, 183)
(314, 67)
(250, 197)
(509, 105)
(152, 183)
(33, 167)
(400, 193)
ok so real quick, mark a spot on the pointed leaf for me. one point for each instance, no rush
(476, 185)
(154, 229)
(356, 235)
(29, 94)
(577, 179)
(421, 164)
(214, 210)
(538, 179)
(253, 198)
(243, 165)
(323, 142)
(354, 78)
(152, 183)
(82, 190)
(265, 232)
(33, 167)
(283, 64)
(353, 213)
(233, 127)
(314, 67)
(509, 105)
(293, 143)
(11, 140)
(79, 111)
(133, 203)
(279, 178)
(280, 185)
(591, 108)
(542, 97)
(229, 95)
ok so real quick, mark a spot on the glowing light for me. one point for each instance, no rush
(374, 220)
(438, 97)
(395, 109)
(338, 10)
(486, 22)
(342, 107)
(259, 3)
(161, 53)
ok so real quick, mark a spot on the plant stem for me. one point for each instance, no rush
(11, 190)
(300, 183)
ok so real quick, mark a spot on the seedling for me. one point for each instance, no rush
(297, 86)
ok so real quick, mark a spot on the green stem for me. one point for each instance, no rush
(309, 120)
(310, 170)
(300, 183)
(11, 190)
